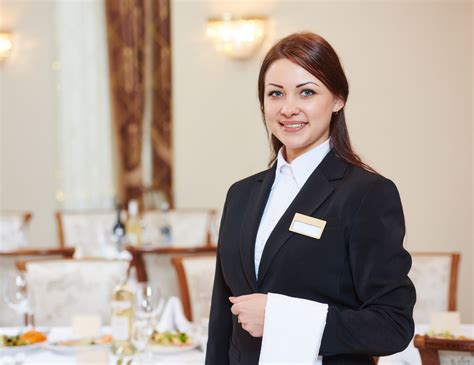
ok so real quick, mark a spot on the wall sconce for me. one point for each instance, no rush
(6, 45)
(237, 37)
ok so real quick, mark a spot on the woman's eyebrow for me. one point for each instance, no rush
(305, 83)
(281, 87)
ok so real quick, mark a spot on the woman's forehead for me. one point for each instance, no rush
(288, 74)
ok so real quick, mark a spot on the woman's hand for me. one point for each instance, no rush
(250, 310)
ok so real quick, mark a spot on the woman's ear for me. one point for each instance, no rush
(338, 105)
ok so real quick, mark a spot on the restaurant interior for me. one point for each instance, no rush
(123, 123)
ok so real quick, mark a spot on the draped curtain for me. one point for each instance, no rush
(126, 42)
(161, 132)
(135, 27)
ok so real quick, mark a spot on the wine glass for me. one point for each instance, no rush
(201, 319)
(149, 302)
(141, 334)
(16, 296)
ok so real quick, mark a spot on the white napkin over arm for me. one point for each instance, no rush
(293, 330)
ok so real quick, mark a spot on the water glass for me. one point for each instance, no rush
(15, 295)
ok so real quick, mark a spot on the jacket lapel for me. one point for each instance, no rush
(252, 216)
(312, 195)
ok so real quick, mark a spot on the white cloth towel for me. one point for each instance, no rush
(173, 318)
(293, 330)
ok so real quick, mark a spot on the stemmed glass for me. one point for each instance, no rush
(149, 304)
(201, 319)
(15, 295)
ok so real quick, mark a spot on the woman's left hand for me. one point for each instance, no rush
(250, 309)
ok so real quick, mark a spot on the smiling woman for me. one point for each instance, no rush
(311, 267)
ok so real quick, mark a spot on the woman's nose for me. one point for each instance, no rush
(289, 109)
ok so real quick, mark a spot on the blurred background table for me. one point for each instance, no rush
(46, 356)
(411, 355)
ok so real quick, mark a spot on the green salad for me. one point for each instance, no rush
(169, 338)
(11, 341)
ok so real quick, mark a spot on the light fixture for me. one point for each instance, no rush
(237, 37)
(6, 45)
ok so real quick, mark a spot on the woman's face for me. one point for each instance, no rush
(297, 107)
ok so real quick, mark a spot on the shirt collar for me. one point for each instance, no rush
(303, 166)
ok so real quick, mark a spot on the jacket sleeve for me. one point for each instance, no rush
(383, 323)
(220, 319)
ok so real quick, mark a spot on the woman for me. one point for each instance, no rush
(310, 258)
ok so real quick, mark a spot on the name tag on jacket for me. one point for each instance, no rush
(308, 226)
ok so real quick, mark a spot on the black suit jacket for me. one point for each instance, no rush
(358, 266)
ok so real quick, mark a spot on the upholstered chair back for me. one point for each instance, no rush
(8, 261)
(214, 226)
(64, 288)
(160, 272)
(13, 229)
(189, 227)
(89, 232)
(196, 277)
(435, 278)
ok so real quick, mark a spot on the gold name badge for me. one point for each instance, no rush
(308, 226)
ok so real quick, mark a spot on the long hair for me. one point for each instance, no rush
(315, 55)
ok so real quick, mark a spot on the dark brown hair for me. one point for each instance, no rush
(315, 55)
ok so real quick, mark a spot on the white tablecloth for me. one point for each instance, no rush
(42, 356)
(47, 357)
(411, 356)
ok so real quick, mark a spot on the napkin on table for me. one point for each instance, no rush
(172, 318)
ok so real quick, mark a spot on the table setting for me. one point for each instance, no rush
(159, 333)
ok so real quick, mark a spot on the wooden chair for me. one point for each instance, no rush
(8, 258)
(196, 277)
(65, 287)
(13, 229)
(436, 351)
(89, 231)
(435, 275)
(153, 264)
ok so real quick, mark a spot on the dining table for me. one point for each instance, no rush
(46, 354)
(411, 355)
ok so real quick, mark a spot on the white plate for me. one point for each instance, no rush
(12, 350)
(170, 349)
(55, 347)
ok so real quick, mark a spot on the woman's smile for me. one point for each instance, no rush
(292, 126)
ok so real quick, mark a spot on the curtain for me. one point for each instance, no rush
(126, 48)
(161, 127)
(85, 175)
(140, 80)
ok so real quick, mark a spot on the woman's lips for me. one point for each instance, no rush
(292, 127)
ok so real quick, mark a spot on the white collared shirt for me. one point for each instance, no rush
(307, 318)
(289, 179)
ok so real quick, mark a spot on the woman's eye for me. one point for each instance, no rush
(307, 92)
(275, 93)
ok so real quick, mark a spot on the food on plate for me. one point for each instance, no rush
(447, 335)
(104, 340)
(169, 338)
(27, 338)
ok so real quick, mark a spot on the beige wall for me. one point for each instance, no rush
(409, 112)
(27, 117)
